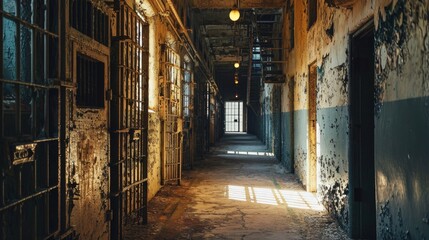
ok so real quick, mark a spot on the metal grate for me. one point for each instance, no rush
(129, 119)
(29, 108)
(90, 82)
(89, 20)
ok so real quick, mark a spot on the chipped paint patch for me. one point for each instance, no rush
(89, 174)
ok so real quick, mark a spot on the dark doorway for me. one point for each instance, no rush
(362, 176)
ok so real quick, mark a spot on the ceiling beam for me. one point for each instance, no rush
(227, 4)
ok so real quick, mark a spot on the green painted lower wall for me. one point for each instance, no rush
(402, 169)
(401, 162)
(332, 155)
(287, 142)
(300, 144)
(333, 161)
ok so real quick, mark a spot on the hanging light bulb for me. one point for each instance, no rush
(236, 95)
(237, 65)
(236, 81)
(234, 14)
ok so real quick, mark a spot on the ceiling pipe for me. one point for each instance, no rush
(191, 43)
(188, 39)
(164, 13)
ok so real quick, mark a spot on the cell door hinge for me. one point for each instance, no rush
(109, 95)
(109, 215)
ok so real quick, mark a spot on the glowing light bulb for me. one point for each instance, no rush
(234, 15)
(236, 65)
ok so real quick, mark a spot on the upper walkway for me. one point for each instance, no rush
(239, 191)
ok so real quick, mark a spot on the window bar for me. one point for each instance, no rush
(103, 30)
(89, 74)
(2, 180)
(99, 27)
(79, 13)
(96, 24)
(127, 125)
(1, 93)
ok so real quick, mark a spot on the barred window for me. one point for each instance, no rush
(89, 20)
(90, 82)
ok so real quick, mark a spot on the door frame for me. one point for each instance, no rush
(362, 217)
(311, 185)
(240, 116)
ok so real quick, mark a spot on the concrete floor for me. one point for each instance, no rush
(238, 191)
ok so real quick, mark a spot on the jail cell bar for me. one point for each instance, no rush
(129, 120)
(171, 115)
(29, 108)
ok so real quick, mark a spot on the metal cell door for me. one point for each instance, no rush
(171, 115)
(29, 110)
(129, 119)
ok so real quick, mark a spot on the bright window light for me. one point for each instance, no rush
(250, 153)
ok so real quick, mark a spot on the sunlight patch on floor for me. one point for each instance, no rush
(272, 196)
(237, 193)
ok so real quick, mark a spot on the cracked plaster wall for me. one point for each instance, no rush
(401, 58)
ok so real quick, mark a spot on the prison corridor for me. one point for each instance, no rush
(238, 191)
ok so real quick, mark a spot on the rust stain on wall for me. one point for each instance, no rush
(89, 174)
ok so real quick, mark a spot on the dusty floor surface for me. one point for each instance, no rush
(238, 191)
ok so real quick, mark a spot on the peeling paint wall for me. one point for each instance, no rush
(158, 35)
(326, 44)
(401, 108)
(402, 120)
(154, 155)
(87, 145)
(271, 118)
(87, 150)
(89, 174)
(333, 139)
(156, 31)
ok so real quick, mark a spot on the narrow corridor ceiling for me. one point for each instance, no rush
(243, 3)
(227, 41)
